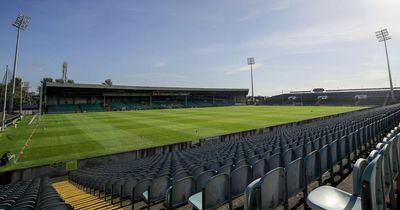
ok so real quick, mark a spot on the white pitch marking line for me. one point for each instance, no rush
(26, 143)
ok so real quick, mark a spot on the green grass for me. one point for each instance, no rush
(62, 137)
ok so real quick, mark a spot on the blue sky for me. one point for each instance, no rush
(297, 44)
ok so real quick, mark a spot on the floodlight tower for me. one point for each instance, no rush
(251, 62)
(383, 36)
(3, 118)
(20, 23)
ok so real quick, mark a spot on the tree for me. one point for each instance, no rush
(70, 81)
(59, 81)
(47, 79)
(107, 82)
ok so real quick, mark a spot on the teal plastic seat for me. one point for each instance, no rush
(195, 200)
(216, 193)
(330, 198)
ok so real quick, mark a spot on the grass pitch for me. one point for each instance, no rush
(62, 137)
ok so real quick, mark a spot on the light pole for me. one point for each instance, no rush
(383, 36)
(20, 23)
(4, 102)
(20, 98)
(251, 62)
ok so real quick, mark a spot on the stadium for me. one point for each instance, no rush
(210, 135)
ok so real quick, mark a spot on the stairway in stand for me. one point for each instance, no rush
(80, 199)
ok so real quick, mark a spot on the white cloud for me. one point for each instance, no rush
(160, 64)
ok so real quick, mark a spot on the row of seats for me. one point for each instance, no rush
(91, 107)
(63, 108)
(35, 194)
(318, 147)
(375, 181)
(277, 186)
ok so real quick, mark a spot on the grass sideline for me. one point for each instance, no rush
(61, 137)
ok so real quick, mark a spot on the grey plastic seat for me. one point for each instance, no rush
(240, 178)
(330, 198)
(250, 193)
(259, 168)
(178, 194)
(138, 190)
(372, 193)
(273, 190)
(388, 183)
(180, 175)
(299, 151)
(295, 178)
(274, 161)
(202, 179)
(127, 189)
(287, 157)
(313, 168)
(225, 169)
(156, 191)
(215, 193)
(323, 154)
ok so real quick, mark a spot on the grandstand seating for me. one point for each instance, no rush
(63, 108)
(374, 181)
(135, 105)
(284, 160)
(35, 194)
(373, 97)
(91, 107)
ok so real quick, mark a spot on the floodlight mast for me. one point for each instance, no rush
(383, 36)
(3, 124)
(251, 62)
(20, 23)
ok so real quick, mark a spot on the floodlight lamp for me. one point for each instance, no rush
(250, 61)
(22, 21)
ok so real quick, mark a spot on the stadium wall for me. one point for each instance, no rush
(60, 169)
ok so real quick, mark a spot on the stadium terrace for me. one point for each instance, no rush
(64, 97)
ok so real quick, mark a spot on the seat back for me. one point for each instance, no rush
(180, 175)
(259, 168)
(358, 170)
(273, 189)
(216, 191)
(225, 169)
(128, 187)
(312, 167)
(140, 187)
(240, 178)
(324, 158)
(333, 153)
(202, 179)
(180, 192)
(386, 169)
(287, 157)
(295, 177)
(372, 195)
(158, 188)
(299, 151)
(274, 161)
(250, 193)
(393, 155)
